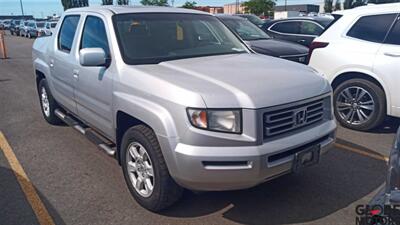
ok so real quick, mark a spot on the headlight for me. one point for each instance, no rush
(221, 120)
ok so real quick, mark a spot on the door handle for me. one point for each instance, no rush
(301, 41)
(392, 54)
(51, 63)
(75, 73)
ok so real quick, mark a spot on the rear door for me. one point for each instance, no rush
(387, 65)
(286, 30)
(62, 62)
(309, 30)
(94, 88)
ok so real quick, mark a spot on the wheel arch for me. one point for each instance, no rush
(344, 76)
(124, 121)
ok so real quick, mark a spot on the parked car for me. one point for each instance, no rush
(35, 29)
(180, 101)
(49, 27)
(6, 24)
(14, 27)
(253, 19)
(385, 204)
(363, 51)
(261, 43)
(301, 30)
(23, 28)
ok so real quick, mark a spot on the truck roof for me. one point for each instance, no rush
(134, 9)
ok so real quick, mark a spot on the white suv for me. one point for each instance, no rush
(360, 55)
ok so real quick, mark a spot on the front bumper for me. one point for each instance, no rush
(230, 168)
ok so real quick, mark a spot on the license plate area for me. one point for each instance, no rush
(306, 158)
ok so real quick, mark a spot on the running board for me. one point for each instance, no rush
(101, 142)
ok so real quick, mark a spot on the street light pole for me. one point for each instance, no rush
(22, 7)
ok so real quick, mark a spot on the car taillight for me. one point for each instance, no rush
(314, 45)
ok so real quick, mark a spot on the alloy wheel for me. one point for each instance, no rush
(355, 105)
(45, 102)
(140, 169)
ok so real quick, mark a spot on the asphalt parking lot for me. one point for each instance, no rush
(78, 184)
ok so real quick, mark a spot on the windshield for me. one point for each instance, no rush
(151, 38)
(254, 19)
(246, 30)
(40, 24)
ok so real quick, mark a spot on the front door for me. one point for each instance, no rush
(387, 65)
(94, 88)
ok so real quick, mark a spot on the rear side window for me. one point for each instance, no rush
(94, 34)
(309, 28)
(394, 35)
(372, 28)
(287, 27)
(67, 33)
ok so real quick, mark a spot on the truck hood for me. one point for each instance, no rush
(239, 81)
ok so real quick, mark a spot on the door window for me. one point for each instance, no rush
(67, 33)
(372, 28)
(310, 28)
(94, 34)
(394, 35)
(287, 27)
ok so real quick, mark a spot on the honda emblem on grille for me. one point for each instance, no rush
(300, 117)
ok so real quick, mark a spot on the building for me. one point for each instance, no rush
(303, 8)
(210, 9)
(5, 17)
(234, 8)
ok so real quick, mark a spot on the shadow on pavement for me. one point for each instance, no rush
(389, 126)
(15, 208)
(340, 179)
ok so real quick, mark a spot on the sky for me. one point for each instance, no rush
(42, 8)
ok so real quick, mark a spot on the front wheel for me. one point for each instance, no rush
(359, 104)
(145, 170)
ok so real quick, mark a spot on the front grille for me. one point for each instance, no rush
(296, 58)
(292, 117)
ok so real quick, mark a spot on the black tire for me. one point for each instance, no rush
(376, 93)
(50, 117)
(165, 191)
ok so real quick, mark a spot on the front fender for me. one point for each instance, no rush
(154, 115)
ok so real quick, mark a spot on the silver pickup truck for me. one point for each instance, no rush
(180, 101)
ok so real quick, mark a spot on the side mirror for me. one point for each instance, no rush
(92, 57)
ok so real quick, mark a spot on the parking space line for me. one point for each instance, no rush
(29, 190)
(362, 152)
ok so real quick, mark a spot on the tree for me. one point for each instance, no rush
(67, 4)
(328, 7)
(259, 7)
(155, 2)
(189, 5)
(349, 4)
(338, 5)
(106, 2)
(123, 2)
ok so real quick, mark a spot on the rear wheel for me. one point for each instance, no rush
(47, 103)
(145, 170)
(359, 104)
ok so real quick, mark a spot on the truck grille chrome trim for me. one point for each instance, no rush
(292, 117)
